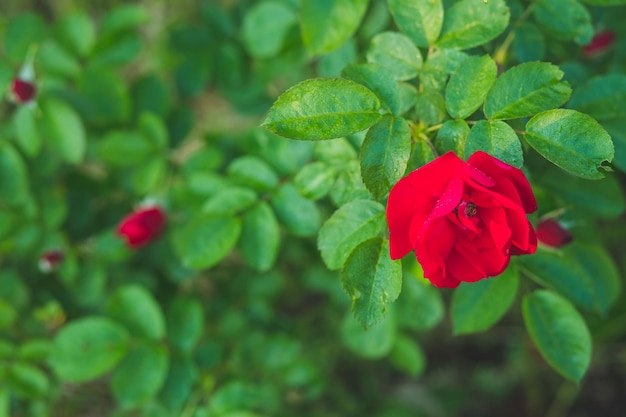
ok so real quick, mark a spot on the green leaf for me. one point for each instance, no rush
(148, 176)
(27, 380)
(265, 26)
(314, 180)
(349, 226)
(384, 154)
(603, 97)
(141, 375)
(77, 32)
(349, 185)
(397, 53)
(372, 280)
(180, 382)
(260, 237)
(14, 184)
(185, 323)
(124, 148)
(430, 106)
(469, 84)
(408, 97)
(88, 348)
(419, 306)
(421, 154)
(373, 343)
(564, 19)
(529, 43)
(54, 59)
(526, 89)
(22, 33)
(583, 273)
(327, 24)
(134, 307)
(253, 172)
(476, 306)
(570, 140)
(559, 332)
(65, 132)
(497, 139)
(35, 350)
(617, 130)
(470, 23)
(323, 108)
(229, 201)
(206, 240)
(452, 137)
(299, 215)
(407, 356)
(122, 18)
(331, 64)
(419, 20)
(335, 152)
(605, 2)
(105, 99)
(438, 68)
(377, 79)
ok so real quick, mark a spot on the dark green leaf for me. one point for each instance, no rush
(180, 381)
(570, 140)
(469, 84)
(134, 307)
(407, 355)
(185, 323)
(408, 97)
(260, 237)
(27, 380)
(327, 24)
(559, 332)
(476, 306)
(123, 18)
(430, 107)
(331, 64)
(373, 343)
(314, 180)
(14, 183)
(124, 148)
(384, 154)
(88, 348)
(377, 79)
(299, 215)
(65, 132)
(470, 23)
(452, 137)
(323, 108)
(603, 97)
(349, 185)
(206, 240)
(421, 154)
(350, 225)
(397, 53)
(497, 139)
(436, 70)
(105, 96)
(565, 19)
(22, 33)
(419, 306)
(419, 20)
(525, 90)
(372, 280)
(529, 43)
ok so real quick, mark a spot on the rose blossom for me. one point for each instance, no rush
(551, 233)
(463, 220)
(142, 226)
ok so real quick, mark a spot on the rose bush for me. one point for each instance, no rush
(463, 219)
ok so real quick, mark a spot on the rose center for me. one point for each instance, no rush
(470, 209)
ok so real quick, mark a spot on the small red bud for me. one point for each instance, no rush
(142, 226)
(23, 91)
(50, 260)
(601, 42)
(551, 233)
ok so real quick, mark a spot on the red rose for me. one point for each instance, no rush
(463, 219)
(50, 260)
(599, 43)
(142, 226)
(23, 91)
(551, 233)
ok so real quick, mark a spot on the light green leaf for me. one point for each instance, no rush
(430, 107)
(265, 26)
(260, 237)
(497, 139)
(65, 132)
(559, 332)
(88, 348)
(55, 59)
(206, 240)
(331, 64)
(476, 306)
(603, 97)
(134, 307)
(27, 380)
(372, 280)
(397, 53)
(122, 18)
(583, 273)
(327, 24)
(419, 20)
(105, 99)
(408, 356)
(377, 79)
(564, 19)
(14, 184)
(421, 154)
(469, 84)
(439, 66)
(323, 108)
(419, 306)
(230, 200)
(124, 148)
(315, 180)
(570, 140)
(525, 90)
(253, 172)
(408, 97)
(351, 224)
(349, 185)
(384, 154)
(335, 152)
(605, 2)
(452, 137)
(470, 23)
(298, 214)
(373, 343)
(185, 321)
(22, 32)
(141, 375)
(77, 32)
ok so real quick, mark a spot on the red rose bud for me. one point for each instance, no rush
(50, 260)
(601, 42)
(23, 91)
(551, 233)
(463, 220)
(142, 226)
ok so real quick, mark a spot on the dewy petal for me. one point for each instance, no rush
(497, 169)
(449, 200)
(434, 177)
(433, 246)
